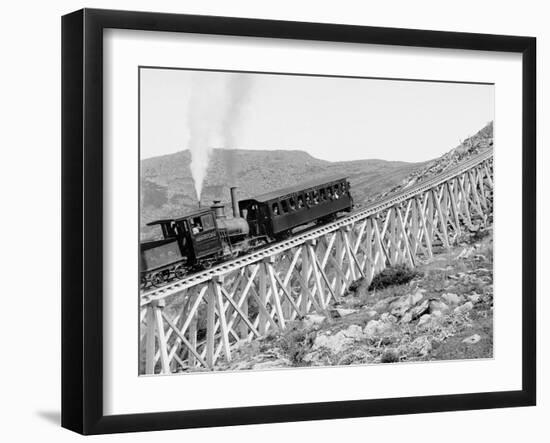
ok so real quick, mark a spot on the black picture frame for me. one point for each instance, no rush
(82, 219)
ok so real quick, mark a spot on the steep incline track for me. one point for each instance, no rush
(201, 277)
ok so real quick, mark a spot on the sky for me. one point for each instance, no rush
(330, 118)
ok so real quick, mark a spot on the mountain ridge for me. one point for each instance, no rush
(168, 190)
(167, 187)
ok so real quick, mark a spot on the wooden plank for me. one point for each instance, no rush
(190, 315)
(177, 319)
(360, 234)
(488, 175)
(424, 227)
(150, 340)
(306, 294)
(479, 175)
(165, 363)
(210, 321)
(193, 343)
(316, 275)
(401, 225)
(288, 295)
(370, 265)
(416, 244)
(352, 257)
(465, 201)
(244, 318)
(263, 298)
(191, 347)
(454, 208)
(330, 245)
(443, 224)
(380, 251)
(473, 188)
(275, 294)
(263, 314)
(338, 262)
(222, 319)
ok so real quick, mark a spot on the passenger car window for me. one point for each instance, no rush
(315, 197)
(284, 206)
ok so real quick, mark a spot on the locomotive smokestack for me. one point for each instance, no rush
(234, 201)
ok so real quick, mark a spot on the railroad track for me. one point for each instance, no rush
(311, 234)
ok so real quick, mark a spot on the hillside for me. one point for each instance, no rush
(167, 188)
(445, 312)
(471, 146)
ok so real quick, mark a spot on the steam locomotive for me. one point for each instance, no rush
(205, 237)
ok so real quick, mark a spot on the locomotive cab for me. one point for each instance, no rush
(197, 235)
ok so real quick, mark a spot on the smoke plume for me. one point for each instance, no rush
(214, 115)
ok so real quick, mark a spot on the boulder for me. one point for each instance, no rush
(421, 345)
(436, 305)
(334, 343)
(420, 309)
(382, 305)
(474, 298)
(313, 320)
(357, 356)
(400, 306)
(376, 328)
(387, 317)
(416, 297)
(425, 319)
(462, 309)
(338, 342)
(345, 312)
(466, 252)
(372, 313)
(450, 298)
(472, 339)
(354, 331)
(407, 318)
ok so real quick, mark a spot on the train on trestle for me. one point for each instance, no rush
(206, 237)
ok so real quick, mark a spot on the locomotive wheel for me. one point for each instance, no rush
(179, 272)
(157, 279)
(143, 283)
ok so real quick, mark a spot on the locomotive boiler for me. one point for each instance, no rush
(208, 236)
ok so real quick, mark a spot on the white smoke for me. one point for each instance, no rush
(215, 109)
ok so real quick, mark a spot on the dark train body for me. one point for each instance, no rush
(205, 237)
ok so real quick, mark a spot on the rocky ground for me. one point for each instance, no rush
(443, 312)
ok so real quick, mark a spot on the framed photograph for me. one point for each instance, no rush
(268, 221)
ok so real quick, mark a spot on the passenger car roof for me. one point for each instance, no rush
(304, 186)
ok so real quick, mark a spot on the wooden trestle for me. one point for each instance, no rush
(194, 322)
